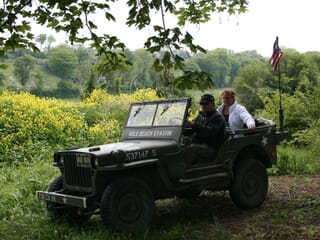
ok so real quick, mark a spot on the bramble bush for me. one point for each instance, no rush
(32, 127)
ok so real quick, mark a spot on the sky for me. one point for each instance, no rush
(293, 21)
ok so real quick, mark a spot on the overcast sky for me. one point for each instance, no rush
(295, 22)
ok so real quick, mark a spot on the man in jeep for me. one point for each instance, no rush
(209, 133)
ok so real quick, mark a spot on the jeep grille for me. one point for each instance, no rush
(77, 173)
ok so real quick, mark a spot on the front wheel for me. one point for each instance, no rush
(127, 205)
(62, 210)
(250, 185)
(54, 186)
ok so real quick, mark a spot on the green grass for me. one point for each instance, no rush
(294, 160)
(211, 216)
(22, 216)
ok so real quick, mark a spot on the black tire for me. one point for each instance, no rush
(250, 185)
(71, 213)
(55, 185)
(127, 205)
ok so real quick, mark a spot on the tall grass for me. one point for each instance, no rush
(296, 160)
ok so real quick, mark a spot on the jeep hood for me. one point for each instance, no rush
(138, 147)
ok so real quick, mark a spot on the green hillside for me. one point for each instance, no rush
(40, 76)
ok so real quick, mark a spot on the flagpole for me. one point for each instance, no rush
(275, 62)
(280, 100)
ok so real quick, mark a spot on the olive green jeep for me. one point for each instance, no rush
(121, 181)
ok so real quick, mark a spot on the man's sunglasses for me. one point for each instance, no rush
(204, 103)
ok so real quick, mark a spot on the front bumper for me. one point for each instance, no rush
(64, 199)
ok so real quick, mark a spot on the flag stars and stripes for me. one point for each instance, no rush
(276, 55)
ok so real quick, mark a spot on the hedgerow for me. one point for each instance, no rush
(31, 126)
(28, 123)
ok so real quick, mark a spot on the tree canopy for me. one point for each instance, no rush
(22, 67)
(63, 61)
(72, 16)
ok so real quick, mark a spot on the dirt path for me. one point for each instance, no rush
(291, 211)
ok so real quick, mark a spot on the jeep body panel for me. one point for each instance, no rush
(261, 143)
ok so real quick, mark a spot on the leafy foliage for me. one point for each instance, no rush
(62, 61)
(74, 16)
(250, 85)
(30, 125)
(22, 67)
(2, 77)
(297, 160)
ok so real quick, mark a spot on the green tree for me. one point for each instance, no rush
(241, 59)
(90, 85)
(221, 67)
(2, 77)
(218, 63)
(314, 57)
(22, 68)
(63, 61)
(83, 55)
(250, 85)
(74, 16)
(50, 40)
(41, 39)
(141, 74)
(86, 60)
(298, 69)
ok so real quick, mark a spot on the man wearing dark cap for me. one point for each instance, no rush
(209, 133)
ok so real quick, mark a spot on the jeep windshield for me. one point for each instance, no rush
(156, 119)
(157, 114)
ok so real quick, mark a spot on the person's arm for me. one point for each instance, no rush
(246, 117)
(211, 127)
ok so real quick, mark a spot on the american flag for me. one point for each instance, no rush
(276, 55)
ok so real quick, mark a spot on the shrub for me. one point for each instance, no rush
(32, 127)
(28, 123)
(101, 107)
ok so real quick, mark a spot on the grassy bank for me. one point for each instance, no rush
(290, 211)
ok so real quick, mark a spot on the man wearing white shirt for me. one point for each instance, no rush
(236, 115)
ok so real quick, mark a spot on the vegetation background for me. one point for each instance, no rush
(56, 99)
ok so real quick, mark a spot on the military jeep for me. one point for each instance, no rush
(121, 181)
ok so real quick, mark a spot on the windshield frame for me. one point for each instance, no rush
(166, 120)
(158, 113)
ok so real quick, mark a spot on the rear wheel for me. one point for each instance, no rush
(250, 185)
(127, 205)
